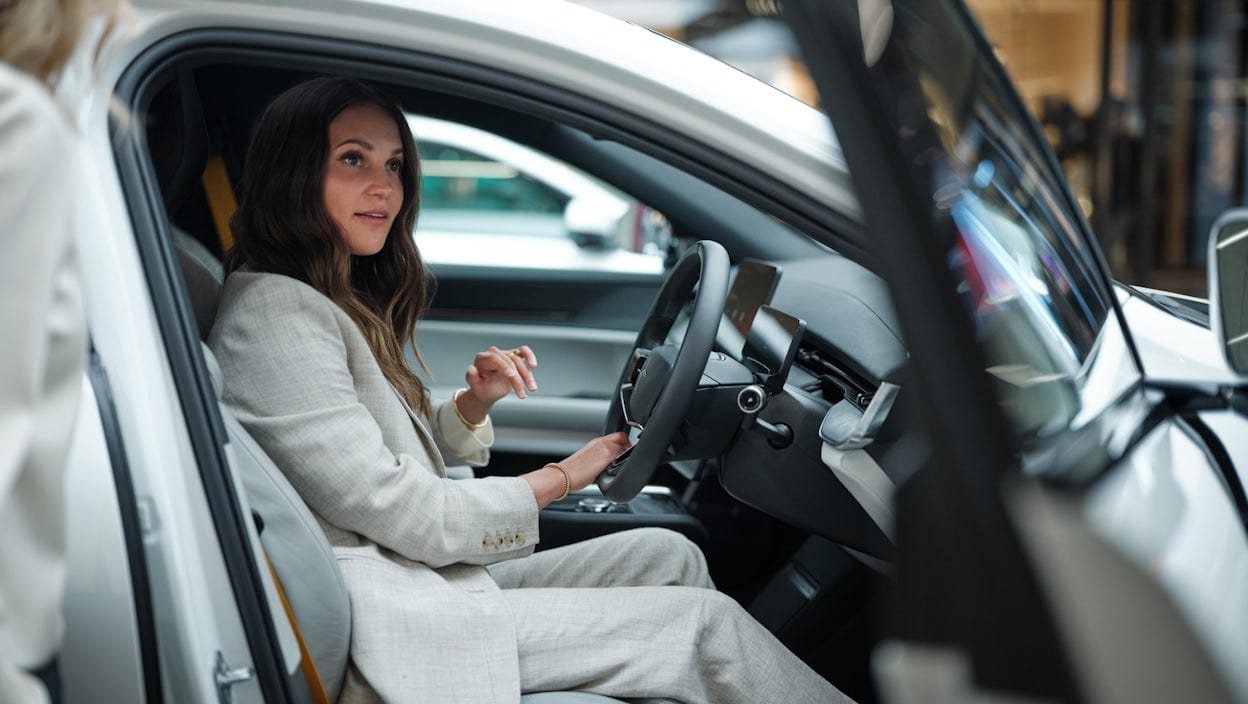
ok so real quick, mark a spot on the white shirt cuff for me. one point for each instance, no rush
(470, 445)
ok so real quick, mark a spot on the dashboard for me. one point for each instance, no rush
(821, 337)
(849, 341)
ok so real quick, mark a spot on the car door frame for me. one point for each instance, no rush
(178, 333)
(954, 528)
(110, 646)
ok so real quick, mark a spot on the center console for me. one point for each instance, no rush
(587, 514)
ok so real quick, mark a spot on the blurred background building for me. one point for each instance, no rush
(1143, 100)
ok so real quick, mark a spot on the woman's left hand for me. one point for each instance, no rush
(495, 373)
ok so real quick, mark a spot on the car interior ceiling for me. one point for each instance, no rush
(207, 112)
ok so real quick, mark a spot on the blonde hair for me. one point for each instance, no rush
(39, 36)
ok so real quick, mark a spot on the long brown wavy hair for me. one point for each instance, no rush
(281, 225)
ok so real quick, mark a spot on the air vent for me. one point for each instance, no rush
(835, 383)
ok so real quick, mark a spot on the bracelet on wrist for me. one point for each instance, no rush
(567, 480)
(467, 423)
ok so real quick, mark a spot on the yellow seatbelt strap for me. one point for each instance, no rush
(309, 667)
(220, 199)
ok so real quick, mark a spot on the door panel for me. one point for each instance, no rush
(580, 324)
(572, 362)
(576, 372)
(558, 296)
(989, 288)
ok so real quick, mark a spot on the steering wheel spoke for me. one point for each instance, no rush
(624, 398)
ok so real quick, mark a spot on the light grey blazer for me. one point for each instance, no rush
(428, 622)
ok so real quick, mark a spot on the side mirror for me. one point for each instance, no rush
(593, 222)
(1228, 286)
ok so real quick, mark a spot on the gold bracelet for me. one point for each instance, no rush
(567, 479)
(462, 419)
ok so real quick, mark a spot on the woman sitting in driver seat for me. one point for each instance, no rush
(326, 287)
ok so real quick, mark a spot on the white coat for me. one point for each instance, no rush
(42, 355)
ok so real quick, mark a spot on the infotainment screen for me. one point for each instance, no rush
(771, 346)
(755, 283)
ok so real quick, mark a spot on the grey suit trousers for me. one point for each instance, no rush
(634, 614)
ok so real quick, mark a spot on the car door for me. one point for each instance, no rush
(1070, 508)
(110, 648)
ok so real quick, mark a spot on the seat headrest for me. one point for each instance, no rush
(177, 137)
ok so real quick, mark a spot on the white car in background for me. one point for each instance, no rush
(488, 201)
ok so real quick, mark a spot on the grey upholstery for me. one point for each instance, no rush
(298, 550)
(203, 275)
(190, 247)
(293, 541)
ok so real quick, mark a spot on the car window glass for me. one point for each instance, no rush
(1024, 271)
(453, 178)
(489, 201)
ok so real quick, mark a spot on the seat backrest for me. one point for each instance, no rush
(293, 540)
(298, 550)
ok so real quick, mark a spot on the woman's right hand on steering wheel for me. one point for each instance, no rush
(582, 467)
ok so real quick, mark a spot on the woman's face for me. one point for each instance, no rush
(363, 179)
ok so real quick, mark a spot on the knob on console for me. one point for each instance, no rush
(751, 398)
(594, 504)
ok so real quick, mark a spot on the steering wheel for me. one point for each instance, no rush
(657, 385)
